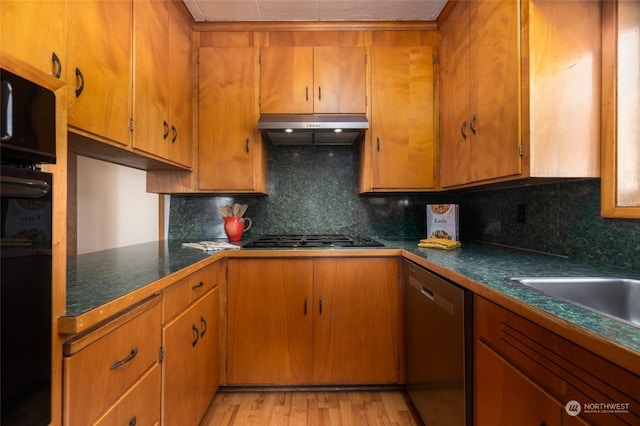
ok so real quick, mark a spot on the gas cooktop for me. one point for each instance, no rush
(312, 241)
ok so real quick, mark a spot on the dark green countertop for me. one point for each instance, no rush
(97, 278)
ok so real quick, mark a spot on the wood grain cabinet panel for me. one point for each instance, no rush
(190, 375)
(523, 371)
(356, 324)
(402, 119)
(99, 75)
(313, 321)
(307, 80)
(519, 85)
(101, 366)
(180, 295)
(270, 321)
(140, 405)
(163, 82)
(231, 153)
(45, 47)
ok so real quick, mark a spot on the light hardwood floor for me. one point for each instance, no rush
(326, 408)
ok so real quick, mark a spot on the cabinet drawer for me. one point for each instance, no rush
(140, 405)
(178, 296)
(562, 368)
(98, 373)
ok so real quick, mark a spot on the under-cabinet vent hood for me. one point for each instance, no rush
(311, 129)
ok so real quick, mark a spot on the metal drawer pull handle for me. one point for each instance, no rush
(197, 286)
(203, 321)
(133, 421)
(472, 125)
(58, 64)
(464, 126)
(319, 93)
(120, 363)
(196, 334)
(378, 142)
(424, 290)
(320, 306)
(246, 145)
(80, 88)
(306, 93)
(175, 134)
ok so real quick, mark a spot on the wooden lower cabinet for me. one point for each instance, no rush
(104, 367)
(190, 374)
(313, 321)
(140, 405)
(526, 375)
(504, 396)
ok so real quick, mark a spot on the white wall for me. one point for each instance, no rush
(114, 209)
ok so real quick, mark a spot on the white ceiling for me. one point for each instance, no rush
(314, 10)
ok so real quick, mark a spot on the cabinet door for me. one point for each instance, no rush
(230, 154)
(455, 79)
(189, 369)
(494, 96)
(99, 71)
(339, 80)
(402, 124)
(151, 132)
(35, 32)
(356, 323)
(286, 80)
(270, 321)
(504, 396)
(181, 94)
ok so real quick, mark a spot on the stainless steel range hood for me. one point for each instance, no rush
(312, 129)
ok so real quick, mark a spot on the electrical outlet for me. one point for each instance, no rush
(521, 213)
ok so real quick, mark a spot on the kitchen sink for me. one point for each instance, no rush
(618, 298)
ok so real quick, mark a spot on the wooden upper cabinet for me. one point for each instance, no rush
(152, 129)
(402, 118)
(163, 82)
(307, 80)
(46, 25)
(181, 93)
(99, 70)
(231, 154)
(519, 91)
(621, 109)
(479, 84)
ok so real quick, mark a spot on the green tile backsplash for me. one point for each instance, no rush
(314, 190)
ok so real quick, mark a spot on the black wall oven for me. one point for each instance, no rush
(28, 139)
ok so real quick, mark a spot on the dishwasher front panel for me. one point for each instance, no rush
(439, 345)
